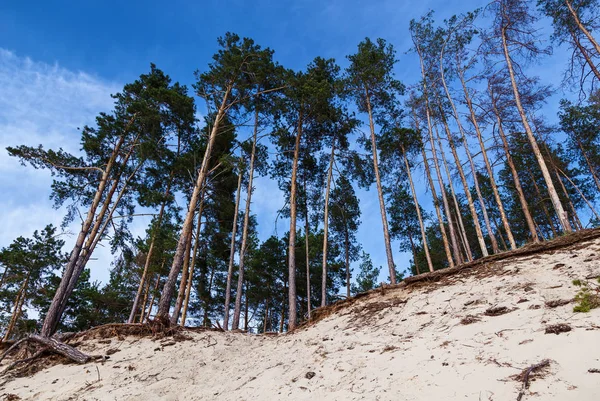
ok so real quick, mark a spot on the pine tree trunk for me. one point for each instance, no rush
(562, 215)
(232, 252)
(542, 203)
(418, 208)
(292, 236)
(164, 304)
(208, 295)
(183, 280)
(593, 210)
(463, 179)
(151, 305)
(574, 216)
(307, 254)
(589, 164)
(326, 228)
(521, 195)
(461, 227)
(581, 27)
(244, 245)
(19, 302)
(585, 54)
(53, 315)
(436, 202)
(152, 241)
(347, 260)
(488, 165)
(146, 293)
(486, 219)
(194, 258)
(384, 222)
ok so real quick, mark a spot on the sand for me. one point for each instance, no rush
(408, 343)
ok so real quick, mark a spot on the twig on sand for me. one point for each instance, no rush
(527, 373)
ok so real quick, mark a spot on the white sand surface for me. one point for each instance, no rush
(405, 344)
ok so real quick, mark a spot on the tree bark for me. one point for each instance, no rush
(292, 236)
(384, 222)
(164, 304)
(521, 195)
(306, 250)
(52, 317)
(421, 224)
(232, 251)
(19, 302)
(436, 202)
(183, 280)
(562, 215)
(193, 263)
(461, 227)
(486, 160)
(326, 228)
(244, 245)
(581, 27)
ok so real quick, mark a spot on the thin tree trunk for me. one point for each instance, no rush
(581, 27)
(146, 293)
(19, 302)
(542, 202)
(580, 194)
(488, 165)
(183, 280)
(585, 54)
(152, 242)
(194, 258)
(384, 222)
(418, 208)
(414, 251)
(478, 230)
(281, 323)
(306, 249)
(53, 314)
(232, 251)
(208, 295)
(521, 195)
(589, 164)
(574, 216)
(151, 305)
(436, 202)
(347, 261)
(246, 310)
(292, 236)
(326, 228)
(164, 304)
(562, 215)
(459, 220)
(244, 245)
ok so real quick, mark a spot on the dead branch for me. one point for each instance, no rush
(528, 372)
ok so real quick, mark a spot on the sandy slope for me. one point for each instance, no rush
(407, 344)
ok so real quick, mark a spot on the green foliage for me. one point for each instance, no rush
(367, 278)
(588, 296)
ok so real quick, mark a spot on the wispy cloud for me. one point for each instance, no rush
(41, 104)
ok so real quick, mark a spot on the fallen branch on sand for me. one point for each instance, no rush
(527, 372)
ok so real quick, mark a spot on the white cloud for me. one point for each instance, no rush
(42, 104)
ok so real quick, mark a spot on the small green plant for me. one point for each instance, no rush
(588, 297)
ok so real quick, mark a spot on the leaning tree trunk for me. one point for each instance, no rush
(183, 280)
(585, 54)
(19, 302)
(244, 245)
(164, 304)
(589, 164)
(418, 208)
(562, 215)
(94, 235)
(436, 202)
(188, 290)
(53, 315)
(488, 165)
(521, 195)
(593, 210)
(467, 191)
(326, 228)
(582, 27)
(347, 260)
(232, 251)
(486, 219)
(461, 227)
(151, 249)
(384, 222)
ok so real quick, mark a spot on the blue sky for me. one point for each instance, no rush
(60, 60)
